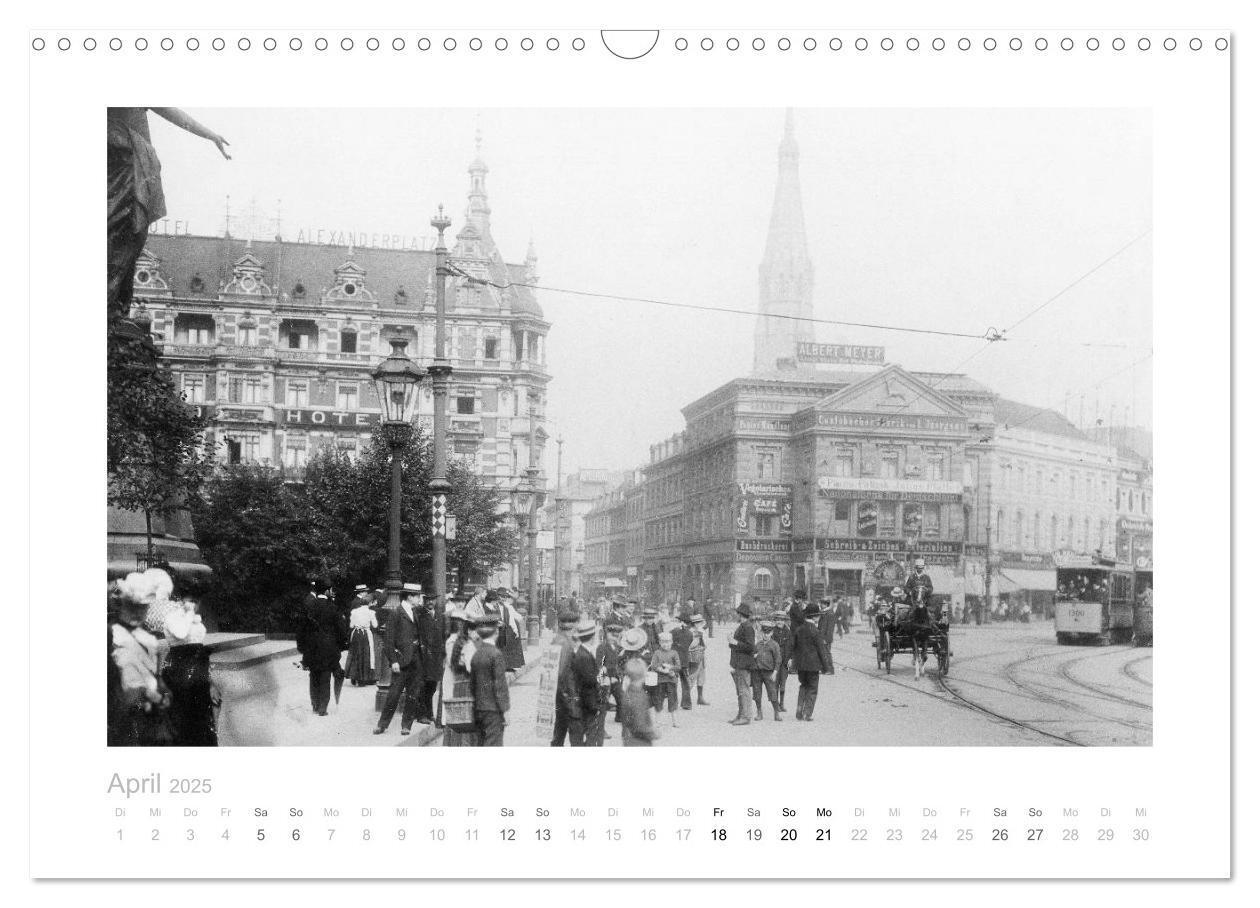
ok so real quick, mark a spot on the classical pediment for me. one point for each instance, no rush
(893, 391)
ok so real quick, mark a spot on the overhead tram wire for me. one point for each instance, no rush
(726, 309)
(993, 335)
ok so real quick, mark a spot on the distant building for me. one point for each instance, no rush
(565, 513)
(828, 470)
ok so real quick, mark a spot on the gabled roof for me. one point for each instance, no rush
(894, 389)
(1007, 414)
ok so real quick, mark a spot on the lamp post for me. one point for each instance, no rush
(440, 371)
(397, 380)
(527, 498)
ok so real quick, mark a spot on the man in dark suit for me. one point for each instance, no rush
(827, 623)
(491, 701)
(811, 658)
(404, 650)
(584, 707)
(710, 613)
(608, 664)
(743, 660)
(918, 585)
(566, 689)
(681, 643)
(322, 636)
(432, 658)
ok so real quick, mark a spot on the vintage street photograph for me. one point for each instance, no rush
(452, 427)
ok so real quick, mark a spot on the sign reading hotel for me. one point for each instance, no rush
(891, 489)
(838, 354)
(329, 419)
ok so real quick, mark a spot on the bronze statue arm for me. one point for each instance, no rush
(177, 117)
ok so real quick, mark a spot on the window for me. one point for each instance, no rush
(347, 397)
(247, 336)
(936, 466)
(1036, 537)
(1019, 529)
(1054, 531)
(295, 452)
(1072, 485)
(844, 464)
(888, 518)
(911, 519)
(1070, 541)
(466, 405)
(971, 467)
(889, 465)
(194, 329)
(1037, 483)
(1085, 534)
(194, 388)
(1089, 488)
(932, 520)
(1146, 504)
(242, 449)
(296, 394)
(766, 466)
(492, 348)
(762, 580)
(1000, 529)
(1021, 478)
(843, 509)
(245, 389)
(349, 342)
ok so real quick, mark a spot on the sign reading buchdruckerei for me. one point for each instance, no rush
(838, 354)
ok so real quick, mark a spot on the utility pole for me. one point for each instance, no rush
(441, 373)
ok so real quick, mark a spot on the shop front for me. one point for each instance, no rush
(1029, 581)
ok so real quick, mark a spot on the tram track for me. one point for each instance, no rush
(1039, 693)
(1128, 671)
(962, 702)
(1063, 670)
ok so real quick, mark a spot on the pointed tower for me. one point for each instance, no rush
(786, 275)
(478, 200)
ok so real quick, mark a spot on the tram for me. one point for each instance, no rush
(1094, 601)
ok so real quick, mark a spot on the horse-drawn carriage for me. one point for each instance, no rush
(914, 627)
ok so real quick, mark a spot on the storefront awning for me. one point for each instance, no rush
(1030, 580)
(975, 584)
(944, 581)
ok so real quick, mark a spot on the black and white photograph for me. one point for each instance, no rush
(659, 427)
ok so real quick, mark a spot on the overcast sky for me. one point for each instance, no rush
(949, 219)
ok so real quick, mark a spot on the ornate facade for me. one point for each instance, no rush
(276, 340)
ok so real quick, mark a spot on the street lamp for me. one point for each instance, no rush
(527, 498)
(397, 379)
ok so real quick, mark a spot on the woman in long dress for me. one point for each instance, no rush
(361, 659)
(457, 677)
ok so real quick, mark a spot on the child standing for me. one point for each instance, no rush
(666, 665)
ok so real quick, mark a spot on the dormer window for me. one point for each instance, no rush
(349, 289)
(197, 284)
(299, 291)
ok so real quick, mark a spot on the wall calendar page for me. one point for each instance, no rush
(476, 397)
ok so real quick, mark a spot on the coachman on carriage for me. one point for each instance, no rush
(907, 622)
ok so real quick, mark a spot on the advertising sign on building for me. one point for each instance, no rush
(890, 489)
(763, 499)
(856, 549)
(838, 354)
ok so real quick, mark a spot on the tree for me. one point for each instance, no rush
(156, 455)
(258, 534)
(266, 536)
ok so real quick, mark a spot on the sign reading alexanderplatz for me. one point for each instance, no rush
(890, 489)
(838, 354)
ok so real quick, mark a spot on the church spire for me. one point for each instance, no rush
(478, 200)
(786, 274)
